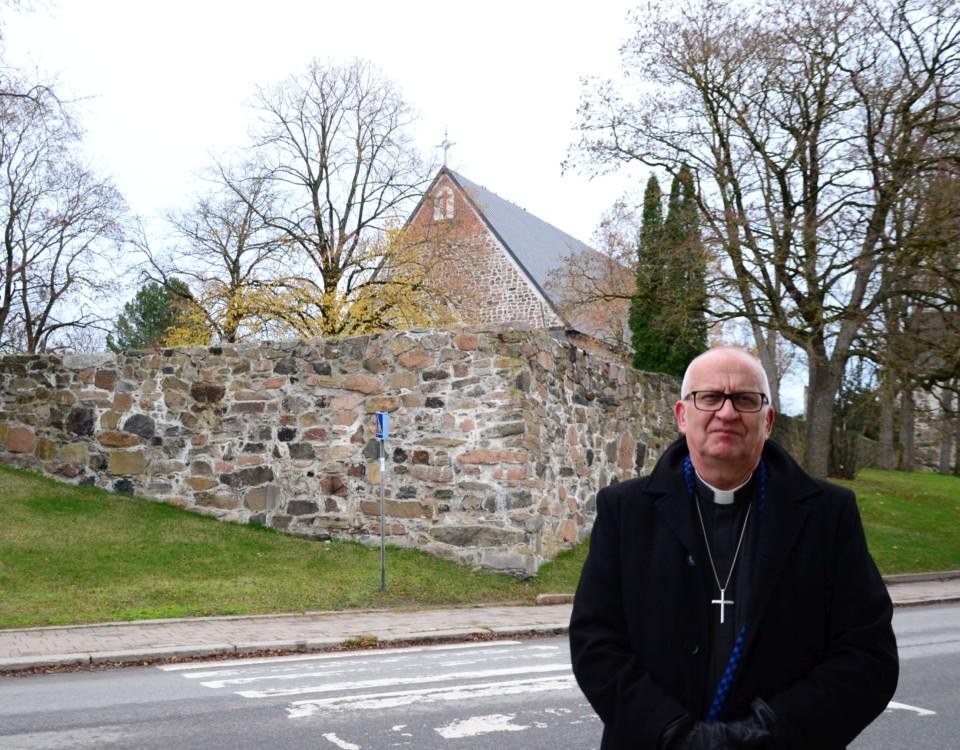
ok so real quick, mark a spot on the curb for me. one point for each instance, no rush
(945, 575)
(168, 654)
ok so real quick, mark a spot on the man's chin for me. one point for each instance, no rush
(725, 443)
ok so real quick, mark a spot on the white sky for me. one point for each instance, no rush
(164, 87)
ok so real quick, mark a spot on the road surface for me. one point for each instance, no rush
(490, 695)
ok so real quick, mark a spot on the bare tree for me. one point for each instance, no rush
(914, 338)
(343, 169)
(804, 123)
(596, 287)
(231, 259)
(60, 224)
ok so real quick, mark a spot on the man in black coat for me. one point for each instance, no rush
(729, 599)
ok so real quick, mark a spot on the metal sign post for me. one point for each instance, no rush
(383, 431)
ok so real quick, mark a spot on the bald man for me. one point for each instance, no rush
(729, 599)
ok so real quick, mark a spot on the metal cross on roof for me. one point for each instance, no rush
(445, 145)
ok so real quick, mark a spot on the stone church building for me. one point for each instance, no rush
(512, 266)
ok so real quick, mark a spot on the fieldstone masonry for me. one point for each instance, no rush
(499, 438)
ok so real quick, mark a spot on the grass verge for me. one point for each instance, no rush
(73, 554)
(912, 520)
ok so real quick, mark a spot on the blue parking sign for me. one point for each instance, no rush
(383, 425)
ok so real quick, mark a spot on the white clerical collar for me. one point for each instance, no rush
(723, 497)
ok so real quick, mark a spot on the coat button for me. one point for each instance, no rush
(691, 648)
(690, 561)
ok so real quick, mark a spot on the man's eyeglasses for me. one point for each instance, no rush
(744, 401)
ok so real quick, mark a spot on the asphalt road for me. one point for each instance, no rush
(506, 694)
(925, 711)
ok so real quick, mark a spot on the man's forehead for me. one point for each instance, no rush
(722, 368)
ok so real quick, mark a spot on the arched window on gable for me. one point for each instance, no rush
(443, 204)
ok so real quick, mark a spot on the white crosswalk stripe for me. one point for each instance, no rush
(335, 687)
(304, 708)
(332, 689)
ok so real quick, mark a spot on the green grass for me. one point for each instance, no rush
(912, 520)
(76, 554)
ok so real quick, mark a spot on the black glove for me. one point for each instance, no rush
(699, 735)
(758, 731)
(674, 731)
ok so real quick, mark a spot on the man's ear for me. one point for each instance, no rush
(680, 412)
(768, 420)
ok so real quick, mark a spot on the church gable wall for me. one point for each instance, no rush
(488, 287)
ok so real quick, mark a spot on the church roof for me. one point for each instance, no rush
(539, 247)
(541, 252)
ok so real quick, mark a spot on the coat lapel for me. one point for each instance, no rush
(783, 521)
(674, 507)
(667, 486)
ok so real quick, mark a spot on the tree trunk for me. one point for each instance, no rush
(766, 341)
(822, 391)
(907, 442)
(946, 433)
(886, 454)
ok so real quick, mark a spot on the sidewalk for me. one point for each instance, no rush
(158, 640)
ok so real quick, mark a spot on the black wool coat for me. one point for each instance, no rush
(819, 649)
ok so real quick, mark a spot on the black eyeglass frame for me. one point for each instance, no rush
(731, 398)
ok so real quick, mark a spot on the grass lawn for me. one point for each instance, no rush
(912, 520)
(76, 554)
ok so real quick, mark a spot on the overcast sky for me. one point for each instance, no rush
(164, 87)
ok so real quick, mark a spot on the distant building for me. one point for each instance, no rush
(503, 264)
(931, 344)
(937, 430)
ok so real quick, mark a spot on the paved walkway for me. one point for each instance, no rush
(155, 640)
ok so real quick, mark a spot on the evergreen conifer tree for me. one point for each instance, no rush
(147, 317)
(667, 312)
(649, 347)
(686, 273)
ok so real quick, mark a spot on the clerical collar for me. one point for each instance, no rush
(723, 497)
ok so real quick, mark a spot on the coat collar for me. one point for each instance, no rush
(673, 501)
(788, 487)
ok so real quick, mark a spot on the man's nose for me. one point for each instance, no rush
(727, 411)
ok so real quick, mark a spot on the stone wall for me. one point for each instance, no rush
(499, 438)
(936, 431)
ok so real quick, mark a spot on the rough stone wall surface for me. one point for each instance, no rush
(933, 426)
(492, 288)
(499, 438)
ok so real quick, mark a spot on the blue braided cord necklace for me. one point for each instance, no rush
(736, 653)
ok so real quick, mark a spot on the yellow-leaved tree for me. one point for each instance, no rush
(305, 237)
(335, 157)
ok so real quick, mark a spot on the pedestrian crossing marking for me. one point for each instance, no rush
(477, 725)
(187, 667)
(378, 701)
(391, 681)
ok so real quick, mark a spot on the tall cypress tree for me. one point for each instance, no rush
(686, 273)
(667, 312)
(649, 344)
